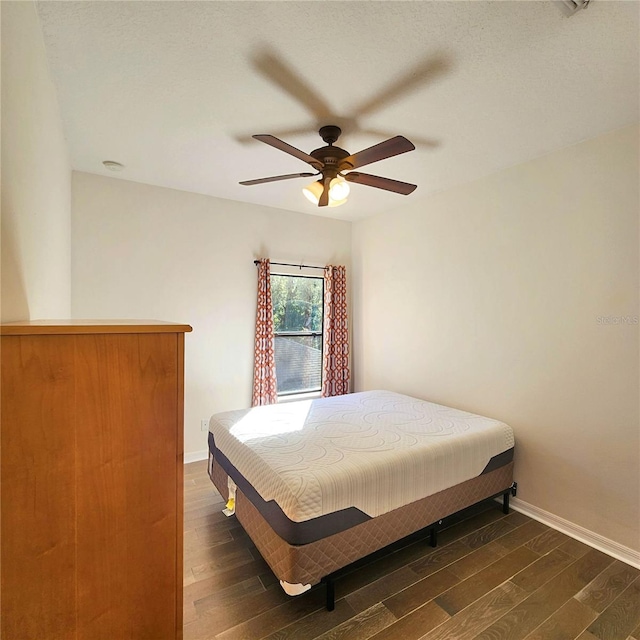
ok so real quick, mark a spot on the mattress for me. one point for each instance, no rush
(317, 467)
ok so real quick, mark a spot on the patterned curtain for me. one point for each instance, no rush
(264, 366)
(335, 352)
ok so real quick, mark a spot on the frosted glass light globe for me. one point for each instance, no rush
(338, 191)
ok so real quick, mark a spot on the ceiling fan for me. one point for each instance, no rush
(335, 167)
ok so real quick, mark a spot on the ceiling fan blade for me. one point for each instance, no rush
(387, 149)
(324, 198)
(417, 141)
(287, 148)
(245, 138)
(306, 174)
(274, 68)
(423, 72)
(404, 188)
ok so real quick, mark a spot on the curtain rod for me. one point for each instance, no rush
(287, 264)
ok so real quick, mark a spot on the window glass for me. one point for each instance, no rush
(297, 319)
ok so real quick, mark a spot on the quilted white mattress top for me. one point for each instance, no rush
(375, 450)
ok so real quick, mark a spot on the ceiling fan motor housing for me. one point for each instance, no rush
(332, 158)
(330, 133)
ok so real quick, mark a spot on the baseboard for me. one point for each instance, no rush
(595, 540)
(196, 456)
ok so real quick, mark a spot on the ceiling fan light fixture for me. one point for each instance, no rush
(313, 191)
(336, 203)
(338, 191)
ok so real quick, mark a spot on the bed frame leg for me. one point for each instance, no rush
(505, 501)
(433, 533)
(330, 593)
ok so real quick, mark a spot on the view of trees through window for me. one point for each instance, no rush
(297, 320)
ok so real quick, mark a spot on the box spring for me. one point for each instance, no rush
(307, 564)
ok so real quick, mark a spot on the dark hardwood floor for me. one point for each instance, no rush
(491, 577)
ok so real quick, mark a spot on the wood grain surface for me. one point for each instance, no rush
(127, 509)
(38, 594)
(92, 490)
(491, 577)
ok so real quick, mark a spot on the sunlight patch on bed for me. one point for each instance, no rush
(260, 423)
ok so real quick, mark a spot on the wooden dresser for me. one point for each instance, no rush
(92, 475)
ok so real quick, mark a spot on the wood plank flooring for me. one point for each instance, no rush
(491, 577)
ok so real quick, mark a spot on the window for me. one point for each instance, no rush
(297, 322)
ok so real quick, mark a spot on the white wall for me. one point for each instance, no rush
(36, 176)
(490, 297)
(147, 252)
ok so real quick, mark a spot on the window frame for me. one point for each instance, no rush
(290, 395)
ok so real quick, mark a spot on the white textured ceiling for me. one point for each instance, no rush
(173, 90)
